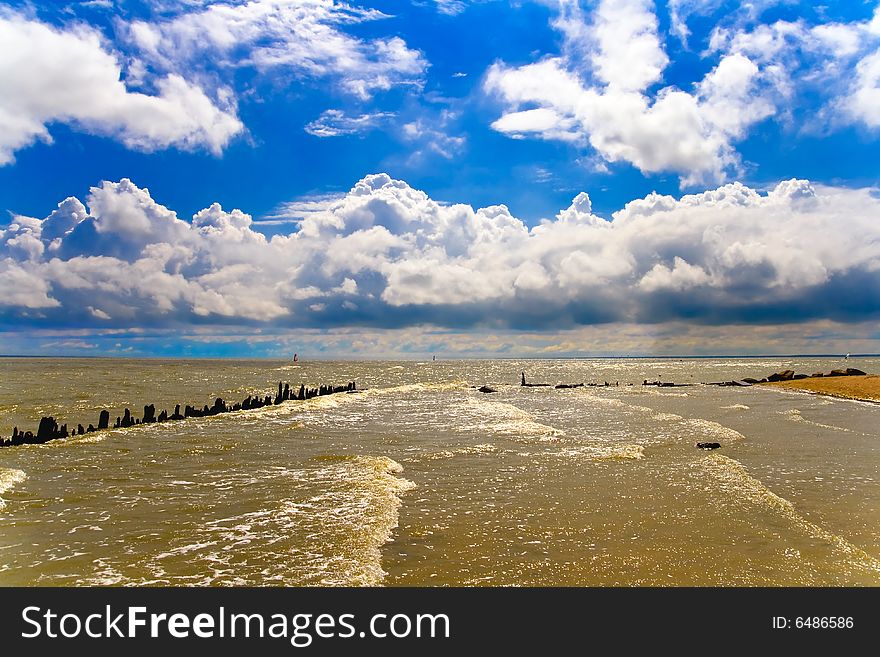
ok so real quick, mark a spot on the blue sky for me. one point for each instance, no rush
(549, 169)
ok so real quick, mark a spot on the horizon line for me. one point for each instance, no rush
(404, 358)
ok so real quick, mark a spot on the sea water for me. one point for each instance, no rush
(422, 480)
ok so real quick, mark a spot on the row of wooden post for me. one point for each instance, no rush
(49, 428)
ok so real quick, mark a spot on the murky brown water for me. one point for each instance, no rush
(422, 480)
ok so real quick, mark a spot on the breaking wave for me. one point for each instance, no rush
(794, 415)
(330, 536)
(9, 478)
(733, 477)
(507, 419)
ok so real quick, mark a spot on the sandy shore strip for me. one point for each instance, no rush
(862, 388)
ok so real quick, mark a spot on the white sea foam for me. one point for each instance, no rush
(186, 549)
(9, 478)
(619, 403)
(504, 418)
(666, 417)
(86, 438)
(660, 392)
(733, 477)
(701, 428)
(414, 387)
(484, 448)
(794, 415)
(672, 427)
(618, 452)
(105, 575)
(331, 538)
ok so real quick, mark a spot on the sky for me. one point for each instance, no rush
(194, 178)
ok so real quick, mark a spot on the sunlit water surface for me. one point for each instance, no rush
(423, 480)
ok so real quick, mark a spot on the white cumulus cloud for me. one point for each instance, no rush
(69, 75)
(605, 89)
(298, 37)
(600, 91)
(387, 255)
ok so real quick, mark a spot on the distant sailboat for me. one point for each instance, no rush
(295, 358)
